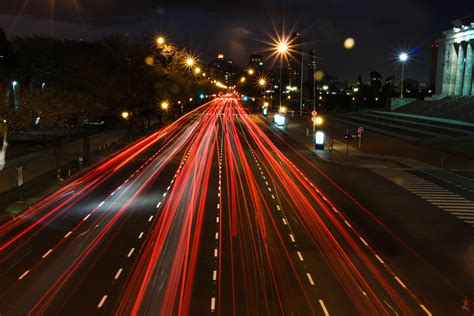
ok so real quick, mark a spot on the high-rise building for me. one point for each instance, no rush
(294, 59)
(312, 64)
(256, 62)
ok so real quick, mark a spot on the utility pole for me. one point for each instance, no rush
(301, 83)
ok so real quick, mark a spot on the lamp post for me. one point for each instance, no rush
(403, 58)
(282, 50)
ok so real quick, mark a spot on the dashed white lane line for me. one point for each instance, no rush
(310, 278)
(151, 218)
(47, 253)
(273, 197)
(300, 256)
(130, 253)
(102, 301)
(119, 272)
(101, 203)
(215, 252)
(213, 304)
(269, 189)
(218, 206)
(284, 221)
(379, 259)
(67, 235)
(164, 194)
(141, 235)
(85, 218)
(292, 238)
(217, 236)
(347, 223)
(278, 207)
(158, 205)
(323, 307)
(24, 274)
(400, 281)
(363, 241)
(425, 309)
(214, 275)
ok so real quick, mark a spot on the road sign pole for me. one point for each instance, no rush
(360, 140)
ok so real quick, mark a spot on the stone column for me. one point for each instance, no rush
(445, 84)
(466, 91)
(460, 70)
(453, 66)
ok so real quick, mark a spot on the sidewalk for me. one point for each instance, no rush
(39, 163)
(378, 151)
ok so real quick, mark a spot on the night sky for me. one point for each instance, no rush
(380, 28)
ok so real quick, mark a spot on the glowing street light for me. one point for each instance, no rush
(197, 70)
(282, 47)
(165, 105)
(251, 71)
(242, 80)
(190, 61)
(403, 57)
(160, 40)
(125, 115)
(262, 82)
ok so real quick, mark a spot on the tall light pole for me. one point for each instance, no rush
(301, 83)
(282, 50)
(403, 58)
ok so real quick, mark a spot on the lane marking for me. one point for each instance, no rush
(213, 304)
(119, 272)
(284, 221)
(141, 235)
(310, 278)
(24, 274)
(101, 203)
(214, 275)
(67, 235)
(217, 219)
(292, 238)
(379, 259)
(300, 256)
(158, 205)
(47, 253)
(425, 309)
(130, 252)
(278, 207)
(102, 301)
(323, 307)
(400, 281)
(215, 252)
(151, 217)
(217, 235)
(85, 218)
(347, 223)
(363, 241)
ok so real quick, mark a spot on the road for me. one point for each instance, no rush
(214, 214)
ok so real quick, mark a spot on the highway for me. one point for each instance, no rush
(213, 214)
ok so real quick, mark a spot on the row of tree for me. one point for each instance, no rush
(55, 87)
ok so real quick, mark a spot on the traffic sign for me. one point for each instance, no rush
(360, 130)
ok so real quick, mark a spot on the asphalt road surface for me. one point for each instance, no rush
(218, 214)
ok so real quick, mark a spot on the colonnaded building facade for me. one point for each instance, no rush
(454, 69)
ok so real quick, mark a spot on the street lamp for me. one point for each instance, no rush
(197, 70)
(165, 105)
(242, 80)
(262, 82)
(282, 50)
(403, 58)
(125, 115)
(251, 71)
(190, 61)
(160, 40)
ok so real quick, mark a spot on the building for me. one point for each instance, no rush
(455, 60)
(224, 70)
(312, 64)
(256, 62)
(434, 64)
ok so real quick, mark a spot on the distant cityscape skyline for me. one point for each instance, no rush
(379, 34)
